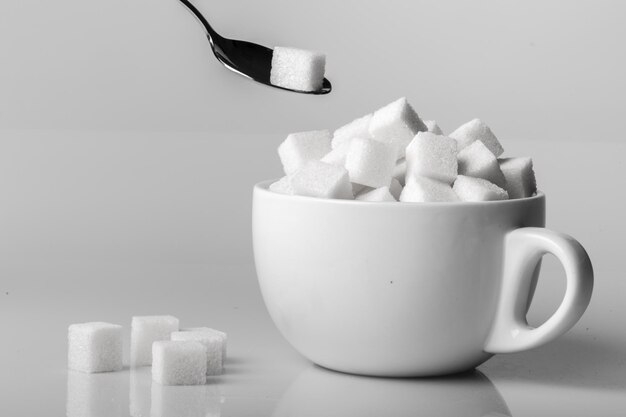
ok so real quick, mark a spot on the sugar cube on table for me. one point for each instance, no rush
(338, 155)
(520, 176)
(301, 147)
(214, 345)
(179, 362)
(297, 69)
(221, 334)
(432, 156)
(395, 188)
(376, 195)
(319, 179)
(419, 189)
(144, 331)
(477, 189)
(399, 172)
(358, 128)
(282, 186)
(371, 162)
(477, 161)
(477, 130)
(396, 124)
(94, 347)
(433, 127)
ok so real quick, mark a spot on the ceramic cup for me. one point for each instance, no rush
(409, 289)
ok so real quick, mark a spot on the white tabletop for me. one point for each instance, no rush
(103, 226)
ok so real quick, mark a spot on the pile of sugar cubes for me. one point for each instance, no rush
(177, 356)
(297, 69)
(393, 155)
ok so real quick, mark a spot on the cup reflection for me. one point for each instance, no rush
(95, 395)
(320, 392)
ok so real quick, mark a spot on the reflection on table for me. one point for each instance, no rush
(320, 392)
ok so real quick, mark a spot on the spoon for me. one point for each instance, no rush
(245, 58)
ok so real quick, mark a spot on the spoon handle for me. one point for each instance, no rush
(212, 34)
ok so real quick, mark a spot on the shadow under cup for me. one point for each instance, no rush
(386, 289)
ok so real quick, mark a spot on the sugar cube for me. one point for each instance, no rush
(477, 189)
(179, 362)
(477, 161)
(433, 127)
(297, 69)
(395, 188)
(399, 172)
(419, 189)
(432, 156)
(520, 176)
(338, 155)
(358, 128)
(371, 162)
(376, 195)
(213, 344)
(396, 124)
(282, 186)
(216, 332)
(94, 347)
(88, 395)
(319, 179)
(144, 331)
(301, 147)
(477, 130)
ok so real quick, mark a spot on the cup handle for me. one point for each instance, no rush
(524, 248)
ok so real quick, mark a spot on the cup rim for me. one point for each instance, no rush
(263, 188)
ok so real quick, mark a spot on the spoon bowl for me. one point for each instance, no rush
(249, 59)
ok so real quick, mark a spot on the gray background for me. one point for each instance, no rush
(128, 154)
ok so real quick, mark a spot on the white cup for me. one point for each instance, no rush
(409, 289)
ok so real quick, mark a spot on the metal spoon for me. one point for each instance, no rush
(248, 59)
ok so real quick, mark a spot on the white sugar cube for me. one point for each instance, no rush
(338, 155)
(399, 172)
(477, 130)
(221, 334)
(185, 401)
(301, 147)
(432, 156)
(179, 362)
(358, 128)
(520, 177)
(371, 162)
(376, 195)
(297, 69)
(477, 189)
(396, 124)
(395, 188)
(282, 186)
(477, 161)
(214, 346)
(144, 331)
(420, 189)
(88, 395)
(94, 347)
(433, 127)
(319, 179)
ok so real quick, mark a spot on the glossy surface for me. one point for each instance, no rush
(106, 225)
(245, 58)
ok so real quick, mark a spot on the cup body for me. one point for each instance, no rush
(385, 289)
